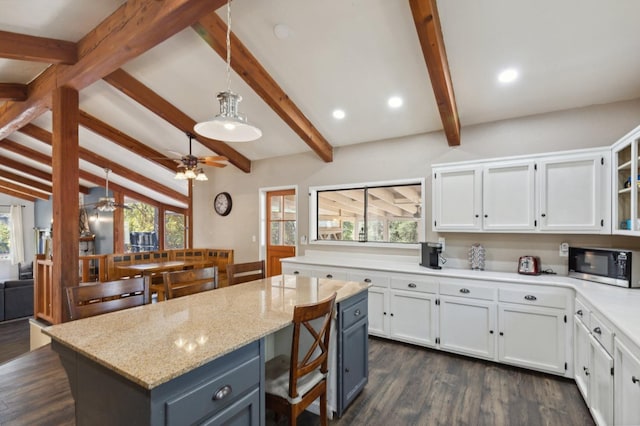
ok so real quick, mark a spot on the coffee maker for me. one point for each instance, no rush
(430, 254)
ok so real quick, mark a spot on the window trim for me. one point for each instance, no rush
(313, 213)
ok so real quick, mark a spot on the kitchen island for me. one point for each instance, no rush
(200, 358)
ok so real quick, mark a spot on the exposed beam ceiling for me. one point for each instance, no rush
(17, 194)
(425, 16)
(98, 160)
(13, 92)
(114, 135)
(132, 29)
(37, 49)
(26, 181)
(146, 97)
(24, 190)
(214, 31)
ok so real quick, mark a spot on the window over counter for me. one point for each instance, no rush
(374, 213)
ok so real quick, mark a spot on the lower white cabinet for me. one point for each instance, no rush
(467, 326)
(378, 307)
(600, 383)
(412, 317)
(626, 385)
(581, 352)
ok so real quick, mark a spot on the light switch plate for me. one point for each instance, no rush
(564, 249)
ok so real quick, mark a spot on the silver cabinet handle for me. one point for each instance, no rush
(465, 291)
(597, 330)
(411, 285)
(634, 379)
(530, 297)
(356, 313)
(222, 393)
(579, 312)
(367, 280)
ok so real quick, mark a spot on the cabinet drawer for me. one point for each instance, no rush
(535, 297)
(467, 288)
(582, 313)
(354, 313)
(377, 280)
(201, 401)
(602, 333)
(411, 284)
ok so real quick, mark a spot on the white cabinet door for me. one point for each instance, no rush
(378, 309)
(467, 326)
(412, 317)
(574, 192)
(508, 196)
(532, 337)
(600, 384)
(457, 197)
(581, 351)
(627, 386)
(296, 269)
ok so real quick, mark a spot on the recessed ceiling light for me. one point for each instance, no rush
(338, 114)
(395, 102)
(508, 75)
(281, 31)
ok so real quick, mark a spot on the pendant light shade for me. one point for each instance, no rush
(230, 125)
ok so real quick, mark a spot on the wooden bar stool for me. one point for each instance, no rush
(191, 281)
(244, 272)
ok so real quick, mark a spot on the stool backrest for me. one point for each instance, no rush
(244, 272)
(87, 300)
(191, 281)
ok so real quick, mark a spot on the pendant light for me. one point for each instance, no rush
(230, 125)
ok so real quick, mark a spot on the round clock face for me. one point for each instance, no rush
(222, 203)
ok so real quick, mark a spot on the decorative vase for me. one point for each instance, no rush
(477, 257)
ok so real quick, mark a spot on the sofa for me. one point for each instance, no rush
(16, 299)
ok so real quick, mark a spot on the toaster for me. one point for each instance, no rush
(529, 265)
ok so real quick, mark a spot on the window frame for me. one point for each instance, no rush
(313, 213)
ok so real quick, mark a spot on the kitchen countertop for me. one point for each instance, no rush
(155, 343)
(621, 306)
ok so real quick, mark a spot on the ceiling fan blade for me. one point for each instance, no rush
(214, 158)
(213, 163)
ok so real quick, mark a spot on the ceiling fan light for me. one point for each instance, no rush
(180, 175)
(201, 176)
(190, 174)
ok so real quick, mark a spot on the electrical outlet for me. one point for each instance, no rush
(564, 249)
(441, 241)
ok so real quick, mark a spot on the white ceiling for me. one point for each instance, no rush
(352, 55)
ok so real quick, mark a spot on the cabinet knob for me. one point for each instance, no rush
(356, 313)
(530, 297)
(329, 276)
(391, 313)
(490, 331)
(384, 313)
(597, 330)
(486, 215)
(543, 215)
(586, 371)
(296, 272)
(367, 280)
(501, 333)
(477, 215)
(222, 393)
(579, 312)
(346, 370)
(465, 291)
(634, 379)
(411, 285)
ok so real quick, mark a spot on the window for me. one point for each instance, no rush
(174, 230)
(377, 213)
(140, 226)
(5, 239)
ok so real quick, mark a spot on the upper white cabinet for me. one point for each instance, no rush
(457, 198)
(573, 193)
(566, 192)
(626, 184)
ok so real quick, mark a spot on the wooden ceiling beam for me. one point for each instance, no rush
(213, 30)
(23, 189)
(427, 21)
(37, 49)
(7, 175)
(116, 136)
(13, 92)
(131, 30)
(98, 160)
(17, 194)
(146, 97)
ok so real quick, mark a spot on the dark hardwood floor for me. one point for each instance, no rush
(407, 385)
(14, 339)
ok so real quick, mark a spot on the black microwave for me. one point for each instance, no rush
(605, 265)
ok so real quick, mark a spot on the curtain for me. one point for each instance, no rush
(16, 253)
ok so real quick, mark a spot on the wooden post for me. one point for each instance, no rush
(66, 232)
(118, 224)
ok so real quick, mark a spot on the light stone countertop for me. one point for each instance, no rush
(155, 343)
(621, 306)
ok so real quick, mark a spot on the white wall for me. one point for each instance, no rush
(7, 270)
(410, 157)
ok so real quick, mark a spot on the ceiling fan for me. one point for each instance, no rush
(106, 203)
(188, 164)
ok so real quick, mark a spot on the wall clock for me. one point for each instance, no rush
(222, 203)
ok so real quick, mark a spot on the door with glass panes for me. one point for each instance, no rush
(281, 229)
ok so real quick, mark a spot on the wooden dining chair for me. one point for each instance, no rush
(294, 382)
(87, 300)
(183, 283)
(244, 272)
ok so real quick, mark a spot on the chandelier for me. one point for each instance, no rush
(188, 168)
(230, 125)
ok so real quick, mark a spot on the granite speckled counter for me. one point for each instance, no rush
(153, 344)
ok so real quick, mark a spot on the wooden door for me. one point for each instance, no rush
(281, 228)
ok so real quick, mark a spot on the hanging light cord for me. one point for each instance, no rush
(229, 45)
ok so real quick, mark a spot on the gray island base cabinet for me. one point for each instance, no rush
(228, 390)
